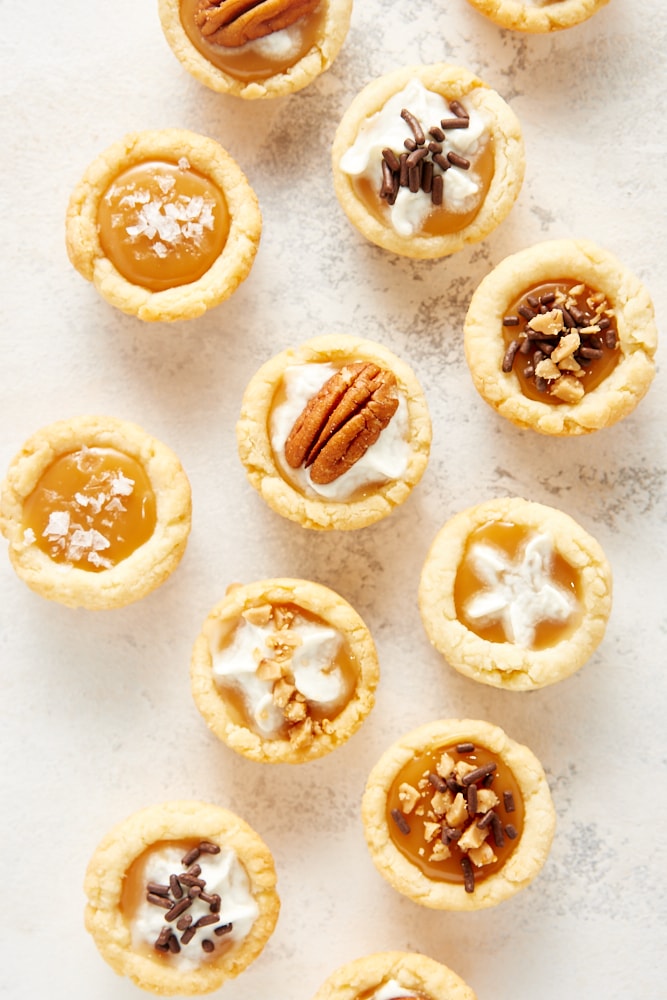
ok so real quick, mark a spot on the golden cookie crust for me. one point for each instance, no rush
(583, 261)
(504, 664)
(257, 456)
(103, 886)
(454, 83)
(224, 275)
(534, 18)
(145, 568)
(535, 840)
(411, 970)
(311, 597)
(333, 33)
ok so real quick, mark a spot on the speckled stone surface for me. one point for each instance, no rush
(97, 718)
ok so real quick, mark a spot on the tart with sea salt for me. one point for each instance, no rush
(334, 433)
(284, 670)
(538, 16)
(458, 816)
(165, 225)
(181, 897)
(560, 338)
(255, 48)
(96, 511)
(394, 975)
(515, 594)
(427, 160)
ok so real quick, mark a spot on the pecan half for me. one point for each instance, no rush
(235, 22)
(340, 423)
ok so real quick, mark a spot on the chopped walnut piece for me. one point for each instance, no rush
(547, 369)
(566, 346)
(282, 692)
(570, 365)
(283, 617)
(445, 765)
(472, 837)
(441, 802)
(440, 852)
(461, 768)
(482, 855)
(431, 831)
(295, 711)
(260, 615)
(549, 324)
(568, 388)
(457, 812)
(269, 670)
(301, 732)
(486, 799)
(408, 796)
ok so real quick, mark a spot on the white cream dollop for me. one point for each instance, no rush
(225, 875)
(518, 593)
(386, 129)
(385, 460)
(391, 990)
(316, 675)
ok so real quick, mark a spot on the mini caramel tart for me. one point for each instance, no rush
(165, 225)
(538, 16)
(515, 594)
(394, 975)
(255, 48)
(181, 897)
(560, 338)
(96, 511)
(458, 816)
(427, 160)
(334, 433)
(284, 670)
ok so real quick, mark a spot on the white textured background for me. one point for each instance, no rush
(96, 714)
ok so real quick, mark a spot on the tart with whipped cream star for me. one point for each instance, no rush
(165, 225)
(334, 433)
(284, 670)
(427, 160)
(394, 975)
(181, 897)
(255, 48)
(97, 512)
(538, 16)
(515, 594)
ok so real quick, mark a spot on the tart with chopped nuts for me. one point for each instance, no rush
(335, 433)
(458, 816)
(284, 670)
(165, 225)
(96, 511)
(538, 16)
(394, 975)
(181, 897)
(255, 48)
(561, 338)
(515, 594)
(427, 160)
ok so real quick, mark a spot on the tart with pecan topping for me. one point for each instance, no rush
(334, 433)
(255, 48)
(561, 338)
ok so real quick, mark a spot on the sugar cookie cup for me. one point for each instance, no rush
(165, 225)
(231, 55)
(96, 511)
(478, 143)
(139, 889)
(515, 594)
(284, 670)
(388, 975)
(595, 359)
(346, 485)
(538, 17)
(422, 818)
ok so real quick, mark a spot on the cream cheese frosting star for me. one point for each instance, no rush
(518, 593)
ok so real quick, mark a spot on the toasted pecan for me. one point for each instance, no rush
(235, 22)
(341, 422)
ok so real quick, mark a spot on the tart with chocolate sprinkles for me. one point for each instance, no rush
(561, 338)
(458, 816)
(427, 160)
(538, 16)
(181, 897)
(390, 975)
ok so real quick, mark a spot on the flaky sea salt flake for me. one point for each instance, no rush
(58, 525)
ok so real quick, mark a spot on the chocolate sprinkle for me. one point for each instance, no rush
(479, 773)
(508, 802)
(511, 831)
(468, 874)
(465, 747)
(191, 856)
(400, 821)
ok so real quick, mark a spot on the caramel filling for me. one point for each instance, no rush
(255, 61)
(456, 814)
(91, 509)
(300, 716)
(561, 341)
(547, 594)
(440, 221)
(162, 224)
